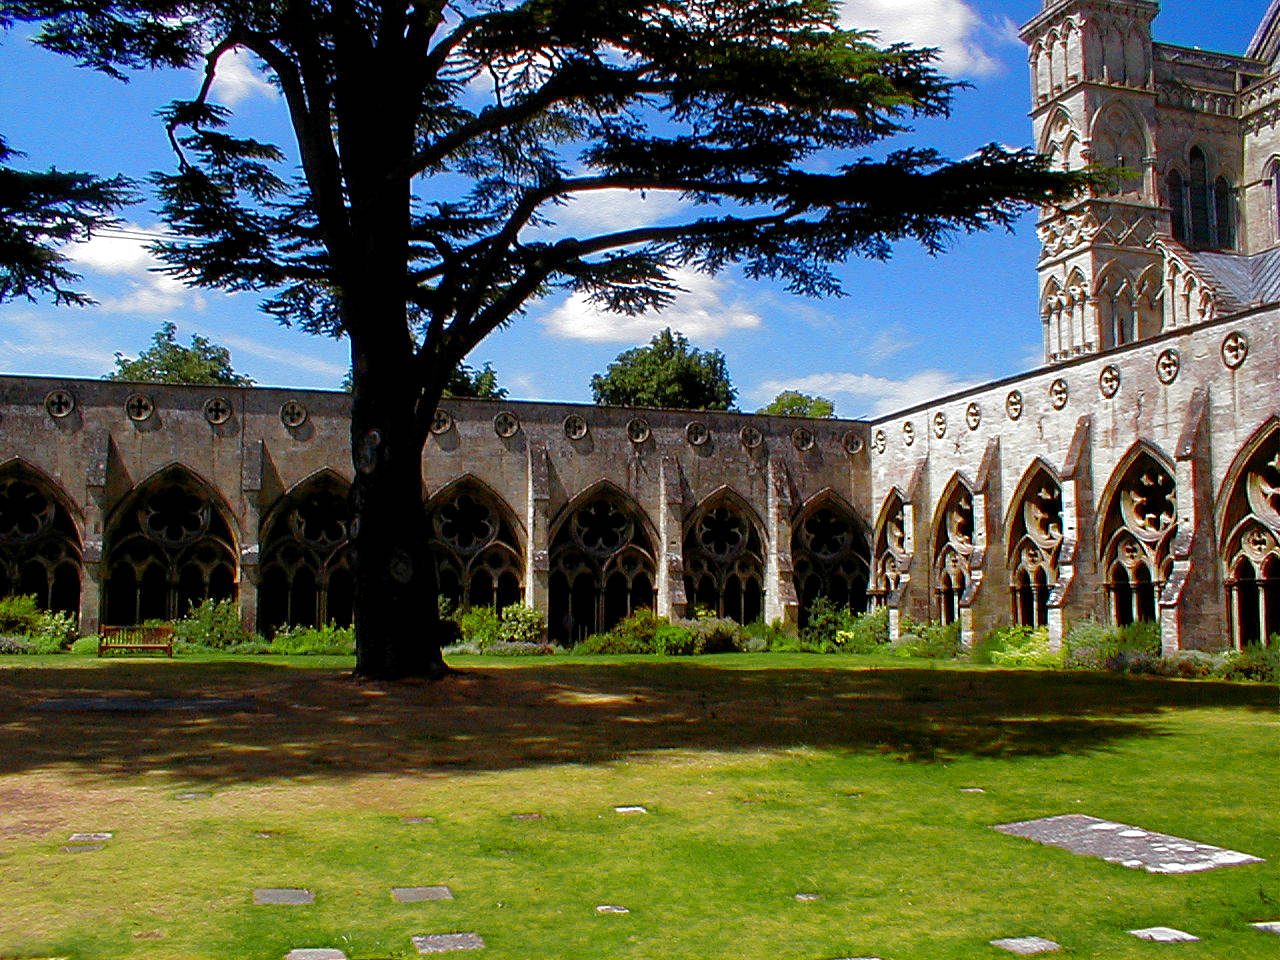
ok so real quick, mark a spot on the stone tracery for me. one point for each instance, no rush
(476, 548)
(724, 561)
(1251, 550)
(830, 557)
(39, 547)
(953, 549)
(1139, 523)
(305, 568)
(1035, 543)
(891, 555)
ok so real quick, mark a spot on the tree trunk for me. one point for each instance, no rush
(397, 623)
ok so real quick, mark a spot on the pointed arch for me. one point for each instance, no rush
(1249, 537)
(40, 538)
(890, 557)
(1138, 520)
(1117, 296)
(1122, 141)
(1034, 533)
(477, 543)
(831, 553)
(952, 545)
(724, 556)
(170, 543)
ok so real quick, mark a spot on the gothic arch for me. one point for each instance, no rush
(1061, 141)
(1122, 140)
(40, 542)
(1034, 533)
(1118, 306)
(170, 543)
(603, 562)
(952, 547)
(305, 568)
(890, 557)
(724, 557)
(1138, 514)
(830, 553)
(476, 542)
(1249, 537)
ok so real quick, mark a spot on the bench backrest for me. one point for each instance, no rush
(124, 635)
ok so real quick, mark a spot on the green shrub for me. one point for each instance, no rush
(19, 616)
(760, 637)
(39, 630)
(479, 625)
(329, 639)
(16, 645)
(714, 635)
(1188, 664)
(85, 646)
(521, 624)
(823, 621)
(518, 648)
(1022, 646)
(932, 641)
(673, 640)
(646, 632)
(1143, 636)
(214, 624)
(635, 634)
(864, 632)
(1252, 663)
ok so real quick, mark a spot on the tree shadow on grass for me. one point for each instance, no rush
(280, 722)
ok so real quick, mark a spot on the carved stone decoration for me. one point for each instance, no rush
(1167, 366)
(879, 441)
(476, 551)
(953, 551)
(1035, 545)
(852, 443)
(441, 422)
(1059, 393)
(638, 430)
(696, 433)
(60, 403)
(1139, 524)
(724, 563)
(908, 433)
(831, 558)
(751, 436)
(293, 414)
(891, 557)
(939, 424)
(973, 416)
(1013, 404)
(217, 410)
(1235, 349)
(1109, 381)
(802, 438)
(506, 424)
(1252, 548)
(39, 546)
(575, 426)
(139, 407)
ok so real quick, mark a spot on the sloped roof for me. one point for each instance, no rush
(1265, 45)
(1241, 282)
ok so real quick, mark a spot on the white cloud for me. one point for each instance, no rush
(604, 211)
(289, 356)
(35, 340)
(863, 394)
(239, 78)
(889, 343)
(705, 311)
(123, 252)
(959, 31)
(120, 251)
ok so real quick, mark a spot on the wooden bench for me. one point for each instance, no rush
(135, 640)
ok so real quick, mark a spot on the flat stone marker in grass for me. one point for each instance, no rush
(89, 837)
(1164, 935)
(1268, 926)
(526, 817)
(972, 790)
(630, 808)
(808, 897)
(193, 795)
(417, 819)
(1026, 946)
(1128, 846)
(283, 896)
(447, 942)
(611, 908)
(315, 953)
(83, 847)
(420, 894)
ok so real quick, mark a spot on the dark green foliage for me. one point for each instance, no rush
(40, 212)
(646, 632)
(667, 373)
(464, 382)
(213, 624)
(167, 361)
(1253, 663)
(760, 637)
(635, 634)
(32, 630)
(824, 621)
(329, 639)
(931, 641)
(17, 645)
(487, 630)
(793, 403)
(1018, 646)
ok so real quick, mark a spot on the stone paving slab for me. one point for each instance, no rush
(144, 704)
(420, 894)
(611, 908)
(447, 942)
(89, 837)
(630, 808)
(193, 795)
(526, 817)
(417, 819)
(1268, 926)
(1026, 946)
(83, 847)
(315, 953)
(808, 897)
(283, 896)
(1128, 846)
(1164, 935)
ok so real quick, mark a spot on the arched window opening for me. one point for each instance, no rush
(1201, 219)
(602, 567)
(891, 556)
(1269, 606)
(1036, 542)
(169, 547)
(1144, 590)
(1247, 597)
(1224, 214)
(831, 559)
(1139, 523)
(1121, 596)
(953, 549)
(306, 567)
(724, 562)
(475, 547)
(1175, 191)
(39, 546)
(1251, 545)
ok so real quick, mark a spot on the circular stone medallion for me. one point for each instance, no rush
(1109, 381)
(879, 441)
(293, 413)
(802, 438)
(751, 436)
(575, 426)
(441, 422)
(1059, 393)
(1167, 366)
(696, 433)
(1013, 404)
(217, 410)
(638, 430)
(973, 416)
(139, 407)
(506, 424)
(939, 424)
(60, 403)
(908, 433)
(852, 443)
(1235, 348)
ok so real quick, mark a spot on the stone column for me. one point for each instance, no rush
(672, 601)
(93, 568)
(537, 591)
(780, 600)
(251, 516)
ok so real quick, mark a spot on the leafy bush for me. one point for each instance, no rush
(1188, 664)
(1142, 636)
(518, 648)
(1021, 646)
(85, 646)
(635, 634)
(329, 639)
(646, 632)
(1252, 663)
(16, 645)
(933, 641)
(823, 622)
(1134, 648)
(760, 637)
(479, 625)
(213, 624)
(38, 630)
(1135, 662)
(521, 624)
(864, 632)
(713, 635)
(673, 640)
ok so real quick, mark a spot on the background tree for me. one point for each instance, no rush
(666, 373)
(793, 403)
(465, 381)
(167, 361)
(39, 213)
(437, 139)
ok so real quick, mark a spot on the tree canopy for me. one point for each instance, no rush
(793, 403)
(39, 213)
(437, 141)
(465, 381)
(666, 373)
(167, 361)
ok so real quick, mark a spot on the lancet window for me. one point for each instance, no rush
(830, 558)
(891, 555)
(1252, 547)
(169, 547)
(1138, 527)
(476, 549)
(39, 546)
(306, 566)
(724, 562)
(602, 567)
(953, 550)
(1036, 542)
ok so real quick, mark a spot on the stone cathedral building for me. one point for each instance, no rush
(1134, 476)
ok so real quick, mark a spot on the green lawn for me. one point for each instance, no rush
(764, 776)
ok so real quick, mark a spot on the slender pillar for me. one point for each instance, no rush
(537, 591)
(780, 600)
(672, 601)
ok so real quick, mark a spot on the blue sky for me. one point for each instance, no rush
(909, 329)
